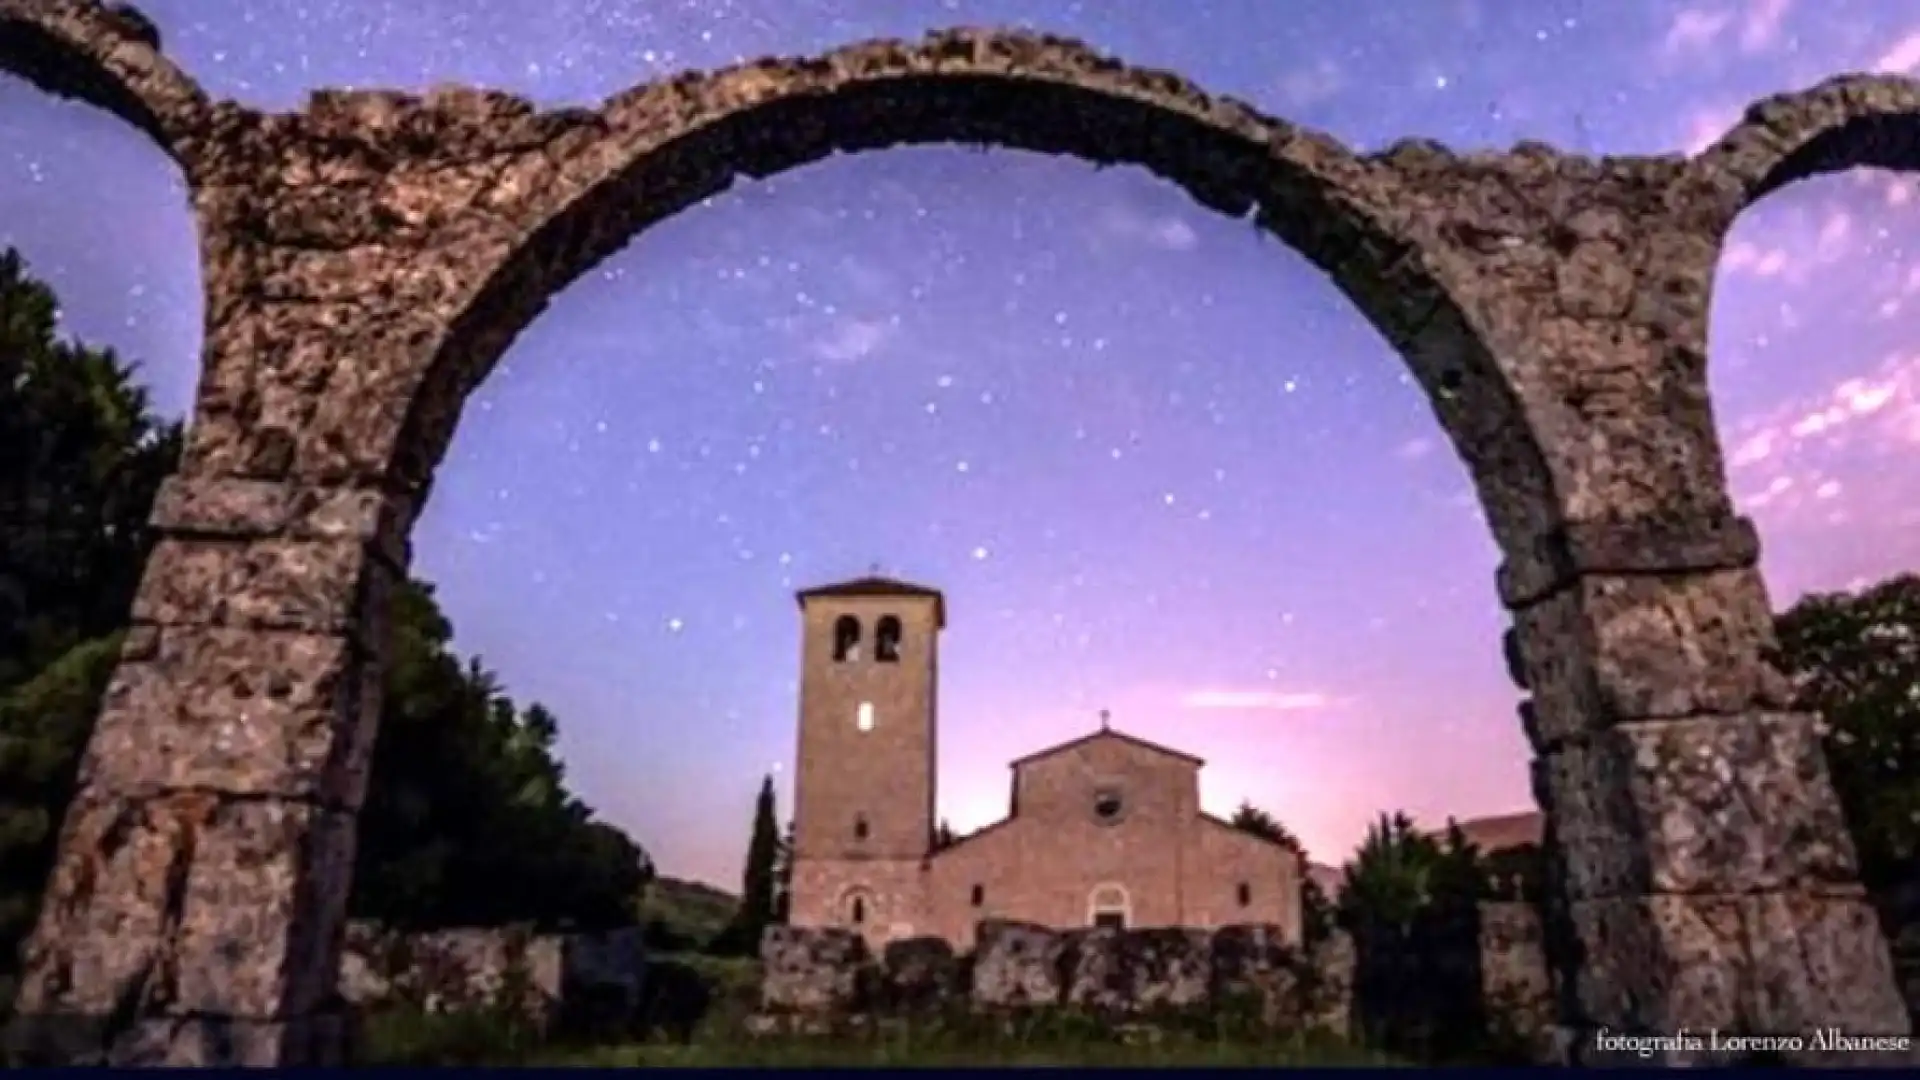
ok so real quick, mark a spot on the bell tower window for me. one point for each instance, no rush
(886, 640)
(860, 829)
(846, 640)
(863, 716)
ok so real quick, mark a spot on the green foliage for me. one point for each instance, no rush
(1390, 881)
(783, 878)
(1855, 657)
(468, 822)
(83, 458)
(759, 880)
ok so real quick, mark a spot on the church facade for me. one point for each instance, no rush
(1103, 830)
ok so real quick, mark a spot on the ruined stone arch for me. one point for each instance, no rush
(1846, 122)
(108, 56)
(369, 258)
(665, 146)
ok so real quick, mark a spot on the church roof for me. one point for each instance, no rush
(878, 586)
(1107, 733)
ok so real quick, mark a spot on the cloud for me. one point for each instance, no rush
(849, 339)
(1694, 29)
(1306, 87)
(1780, 461)
(1165, 232)
(1760, 26)
(1903, 58)
(1754, 24)
(1255, 700)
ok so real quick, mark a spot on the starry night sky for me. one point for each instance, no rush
(1157, 462)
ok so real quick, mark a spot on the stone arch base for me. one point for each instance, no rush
(368, 258)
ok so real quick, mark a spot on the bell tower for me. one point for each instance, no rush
(864, 768)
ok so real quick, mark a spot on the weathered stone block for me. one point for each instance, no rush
(1256, 963)
(1608, 649)
(191, 904)
(315, 586)
(1515, 983)
(461, 969)
(921, 974)
(1017, 965)
(1713, 804)
(240, 508)
(1126, 971)
(818, 970)
(245, 712)
(1773, 963)
(1332, 962)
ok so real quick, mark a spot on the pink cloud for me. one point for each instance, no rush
(1255, 700)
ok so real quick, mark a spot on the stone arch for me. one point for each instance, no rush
(377, 252)
(663, 147)
(108, 56)
(1846, 122)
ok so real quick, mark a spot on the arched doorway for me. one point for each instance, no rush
(1552, 308)
(1110, 907)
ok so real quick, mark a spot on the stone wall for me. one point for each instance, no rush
(1494, 978)
(821, 976)
(546, 979)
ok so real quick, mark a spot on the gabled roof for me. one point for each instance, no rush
(1107, 733)
(874, 585)
(1499, 832)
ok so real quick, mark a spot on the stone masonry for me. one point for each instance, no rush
(368, 259)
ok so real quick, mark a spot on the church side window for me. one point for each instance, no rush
(863, 716)
(886, 640)
(979, 895)
(1246, 894)
(860, 829)
(856, 905)
(846, 639)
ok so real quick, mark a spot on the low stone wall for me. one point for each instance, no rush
(819, 976)
(545, 979)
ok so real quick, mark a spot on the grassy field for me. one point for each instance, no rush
(721, 1038)
(929, 1049)
(485, 1041)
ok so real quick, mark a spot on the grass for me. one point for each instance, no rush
(934, 1049)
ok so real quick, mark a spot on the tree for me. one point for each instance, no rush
(944, 836)
(83, 458)
(758, 879)
(468, 820)
(783, 878)
(1855, 657)
(1250, 819)
(1390, 880)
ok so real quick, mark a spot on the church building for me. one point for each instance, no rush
(1104, 830)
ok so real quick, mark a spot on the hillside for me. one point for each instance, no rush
(690, 910)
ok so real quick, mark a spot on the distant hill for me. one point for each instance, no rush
(692, 911)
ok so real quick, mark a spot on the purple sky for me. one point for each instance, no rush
(1158, 463)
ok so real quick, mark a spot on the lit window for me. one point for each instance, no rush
(863, 717)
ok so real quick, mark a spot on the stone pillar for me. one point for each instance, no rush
(194, 916)
(1709, 879)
